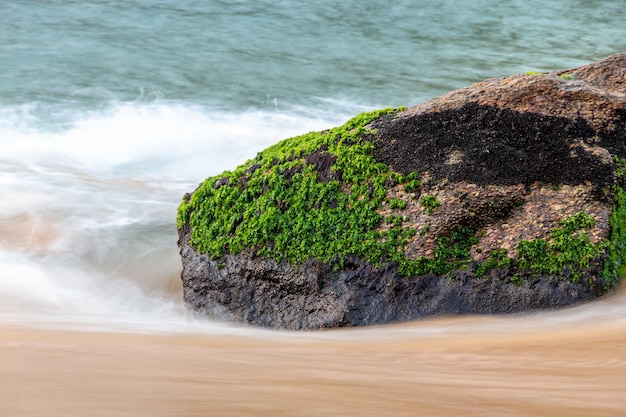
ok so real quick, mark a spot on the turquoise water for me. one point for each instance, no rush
(239, 54)
(111, 110)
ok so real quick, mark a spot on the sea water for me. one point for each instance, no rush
(111, 110)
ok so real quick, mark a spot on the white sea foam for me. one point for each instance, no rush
(156, 140)
(87, 229)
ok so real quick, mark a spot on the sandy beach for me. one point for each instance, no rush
(404, 370)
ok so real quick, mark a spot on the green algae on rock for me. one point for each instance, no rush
(502, 197)
(312, 196)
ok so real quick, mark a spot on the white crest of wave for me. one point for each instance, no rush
(161, 140)
(87, 228)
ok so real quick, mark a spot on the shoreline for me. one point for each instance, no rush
(407, 369)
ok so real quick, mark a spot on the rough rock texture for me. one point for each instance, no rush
(510, 158)
(248, 289)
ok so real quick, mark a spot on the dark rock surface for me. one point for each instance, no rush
(499, 146)
(247, 289)
(512, 156)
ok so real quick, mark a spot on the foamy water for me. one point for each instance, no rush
(87, 222)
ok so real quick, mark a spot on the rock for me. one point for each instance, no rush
(502, 197)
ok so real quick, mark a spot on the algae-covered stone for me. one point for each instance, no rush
(505, 196)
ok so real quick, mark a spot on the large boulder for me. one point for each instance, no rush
(505, 196)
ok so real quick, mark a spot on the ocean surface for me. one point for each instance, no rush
(111, 110)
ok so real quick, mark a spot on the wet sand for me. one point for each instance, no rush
(415, 369)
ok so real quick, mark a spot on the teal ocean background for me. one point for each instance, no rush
(110, 110)
(281, 55)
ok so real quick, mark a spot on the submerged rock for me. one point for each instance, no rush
(502, 197)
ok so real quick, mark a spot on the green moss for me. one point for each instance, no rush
(498, 259)
(411, 182)
(286, 207)
(620, 166)
(278, 204)
(614, 265)
(567, 77)
(451, 253)
(430, 203)
(569, 246)
(395, 220)
(395, 203)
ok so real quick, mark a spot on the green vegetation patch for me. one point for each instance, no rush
(569, 246)
(412, 182)
(451, 253)
(317, 196)
(615, 263)
(311, 196)
(396, 203)
(430, 203)
(498, 259)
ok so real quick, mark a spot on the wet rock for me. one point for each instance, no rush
(509, 158)
(245, 289)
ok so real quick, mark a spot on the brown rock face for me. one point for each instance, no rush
(515, 154)
(508, 157)
(594, 92)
